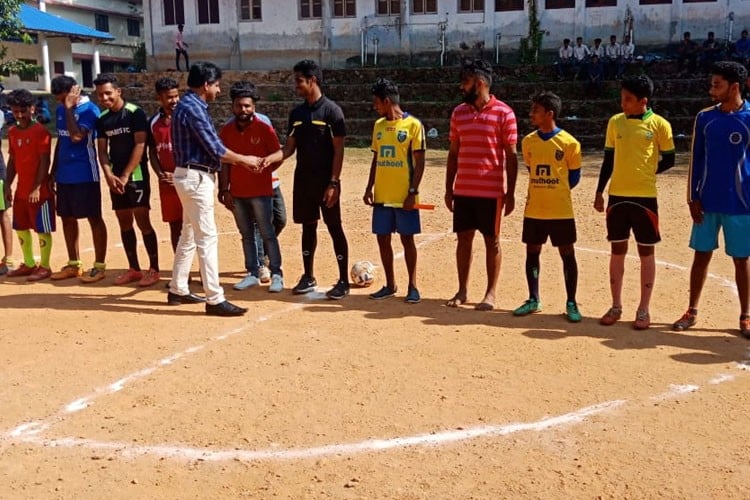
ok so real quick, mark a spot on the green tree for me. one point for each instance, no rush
(12, 30)
(531, 45)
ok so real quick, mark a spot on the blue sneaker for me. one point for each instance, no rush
(572, 312)
(412, 297)
(383, 293)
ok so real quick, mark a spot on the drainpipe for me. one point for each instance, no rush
(375, 42)
(498, 36)
(442, 27)
(730, 28)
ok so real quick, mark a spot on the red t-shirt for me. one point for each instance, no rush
(26, 146)
(257, 139)
(160, 138)
(483, 136)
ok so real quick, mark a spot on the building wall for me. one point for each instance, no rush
(282, 38)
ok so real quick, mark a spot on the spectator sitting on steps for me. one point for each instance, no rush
(741, 52)
(711, 52)
(687, 53)
(613, 58)
(581, 55)
(565, 61)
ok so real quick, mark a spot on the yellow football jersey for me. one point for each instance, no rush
(549, 162)
(394, 143)
(637, 144)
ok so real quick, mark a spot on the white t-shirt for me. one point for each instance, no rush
(580, 52)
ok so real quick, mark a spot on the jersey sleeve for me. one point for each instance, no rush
(271, 140)
(697, 159)
(418, 142)
(44, 141)
(140, 121)
(453, 134)
(609, 142)
(526, 151)
(373, 139)
(574, 157)
(338, 125)
(88, 117)
(509, 131)
(666, 141)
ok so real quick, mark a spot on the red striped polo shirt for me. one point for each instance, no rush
(483, 136)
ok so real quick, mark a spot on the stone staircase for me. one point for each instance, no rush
(431, 94)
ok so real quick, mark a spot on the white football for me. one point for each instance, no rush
(363, 273)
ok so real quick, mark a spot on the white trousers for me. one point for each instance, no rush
(196, 192)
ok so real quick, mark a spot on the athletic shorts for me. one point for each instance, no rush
(705, 236)
(137, 194)
(308, 205)
(387, 220)
(37, 216)
(171, 207)
(560, 231)
(3, 204)
(628, 213)
(480, 214)
(81, 200)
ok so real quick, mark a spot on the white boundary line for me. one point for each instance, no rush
(29, 432)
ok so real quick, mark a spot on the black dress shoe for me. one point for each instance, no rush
(174, 300)
(225, 308)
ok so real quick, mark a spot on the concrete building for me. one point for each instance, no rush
(79, 38)
(263, 34)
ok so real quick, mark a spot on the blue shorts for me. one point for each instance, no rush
(705, 236)
(81, 201)
(387, 220)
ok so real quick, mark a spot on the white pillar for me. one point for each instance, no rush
(45, 63)
(97, 63)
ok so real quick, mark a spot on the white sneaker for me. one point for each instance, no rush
(277, 284)
(247, 282)
(264, 274)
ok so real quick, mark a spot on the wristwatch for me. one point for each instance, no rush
(413, 191)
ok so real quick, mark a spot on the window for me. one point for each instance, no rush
(134, 27)
(208, 11)
(310, 9)
(174, 12)
(389, 7)
(508, 5)
(426, 6)
(559, 4)
(31, 75)
(102, 22)
(471, 5)
(59, 67)
(250, 10)
(344, 8)
(695, 1)
(602, 3)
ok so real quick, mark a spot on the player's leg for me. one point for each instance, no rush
(262, 208)
(279, 211)
(383, 225)
(736, 228)
(142, 215)
(645, 225)
(332, 219)
(408, 224)
(570, 275)
(7, 236)
(244, 218)
(464, 225)
(618, 233)
(489, 216)
(533, 235)
(89, 205)
(306, 211)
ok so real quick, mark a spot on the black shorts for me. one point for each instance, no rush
(561, 232)
(82, 200)
(307, 203)
(641, 215)
(137, 194)
(479, 214)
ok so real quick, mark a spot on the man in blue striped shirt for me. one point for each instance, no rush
(198, 154)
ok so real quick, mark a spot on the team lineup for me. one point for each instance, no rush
(193, 162)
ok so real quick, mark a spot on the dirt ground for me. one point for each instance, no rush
(107, 391)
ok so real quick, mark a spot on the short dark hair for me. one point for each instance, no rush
(385, 89)
(21, 98)
(549, 101)
(165, 83)
(731, 71)
(566, 40)
(710, 34)
(243, 89)
(105, 78)
(640, 86)
(686, 34)
(203, 72)
(479, 68)
(61, 84)
(309, 68)
(597, 40)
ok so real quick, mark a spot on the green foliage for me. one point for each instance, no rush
(11, 30)
(531, 44)
(139, 56)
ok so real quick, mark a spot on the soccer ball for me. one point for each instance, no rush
(363, 273)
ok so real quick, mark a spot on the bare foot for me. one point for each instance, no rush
(487, 304)
(457, 300)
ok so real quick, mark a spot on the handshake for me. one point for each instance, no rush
(255, 164)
